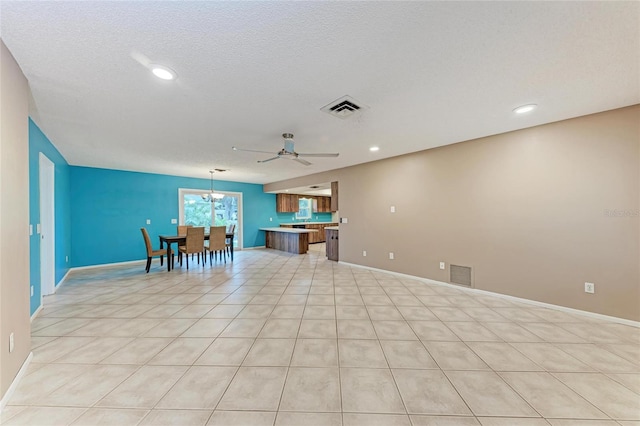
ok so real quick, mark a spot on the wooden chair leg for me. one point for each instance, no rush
(161, 259)
(148, 264)
(187, 261)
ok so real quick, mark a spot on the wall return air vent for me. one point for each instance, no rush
(460, 275)
(344, 107)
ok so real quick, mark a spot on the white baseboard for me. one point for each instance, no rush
(102, 265)
(504, 296)
(63, 278)
(35, 314)
(15, 382)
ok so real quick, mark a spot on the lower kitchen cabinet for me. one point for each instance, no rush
(332, 243)
(314, 237)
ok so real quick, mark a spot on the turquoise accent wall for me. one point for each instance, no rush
(99, 212)
(39, 143)
(108, 208)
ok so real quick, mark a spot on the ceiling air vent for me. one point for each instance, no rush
(344, 107)
(460, 275)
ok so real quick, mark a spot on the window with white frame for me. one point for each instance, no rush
(197, 211)
(305, 207)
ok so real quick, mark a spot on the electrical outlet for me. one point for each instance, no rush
(364, 253)
(30, 229)
(66, 259)
(391, 255)
(31, 291)
(344, 220)
(393, 209)
(174, 221)
(11, 343)
(270, 219)
(148, 221)
(441, 265)
(589, 288)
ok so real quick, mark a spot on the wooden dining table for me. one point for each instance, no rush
(171, 239)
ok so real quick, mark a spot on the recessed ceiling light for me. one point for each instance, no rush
(163, 72)
(525, 108)
(374, 149)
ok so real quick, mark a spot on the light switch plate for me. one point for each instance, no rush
(391, 255)
(30, 229)
(393, 209)
(174, 221)
(38, 228)
(441, 265)
(148, 221)
(344, 220)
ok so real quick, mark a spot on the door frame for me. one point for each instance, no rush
(47, 234)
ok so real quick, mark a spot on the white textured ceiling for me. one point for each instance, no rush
(432, 73)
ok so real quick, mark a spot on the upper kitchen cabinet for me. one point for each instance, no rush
(323, 204)
(287, 203)
(334, 196)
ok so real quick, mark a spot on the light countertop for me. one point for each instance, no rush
(290, 230)
(332, 228)
(307, 223)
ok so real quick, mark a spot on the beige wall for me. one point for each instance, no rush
(14, 218)
(526, 210)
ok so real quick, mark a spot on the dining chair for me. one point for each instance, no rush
(217, 242)
(182, 230)
(194, 244)
(151, 252)
(229, 241)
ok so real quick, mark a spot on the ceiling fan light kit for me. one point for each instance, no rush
(288, 152)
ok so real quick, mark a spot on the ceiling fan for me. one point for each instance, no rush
(288, 152)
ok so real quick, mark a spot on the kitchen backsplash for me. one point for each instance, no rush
(291, 217)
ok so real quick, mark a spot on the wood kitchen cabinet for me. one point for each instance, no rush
(332, 244)
(324, 204)
(287, 203)
(314, 237)
(334, 197)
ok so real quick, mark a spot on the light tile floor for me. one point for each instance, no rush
(276, 339)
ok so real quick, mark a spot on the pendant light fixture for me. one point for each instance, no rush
(210, 196)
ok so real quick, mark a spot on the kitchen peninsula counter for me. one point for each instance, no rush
(318, 237)
(291, 240)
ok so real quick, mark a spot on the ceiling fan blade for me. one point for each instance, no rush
(318, 155)
(269, 159)
(252, 150)
(301, 161)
